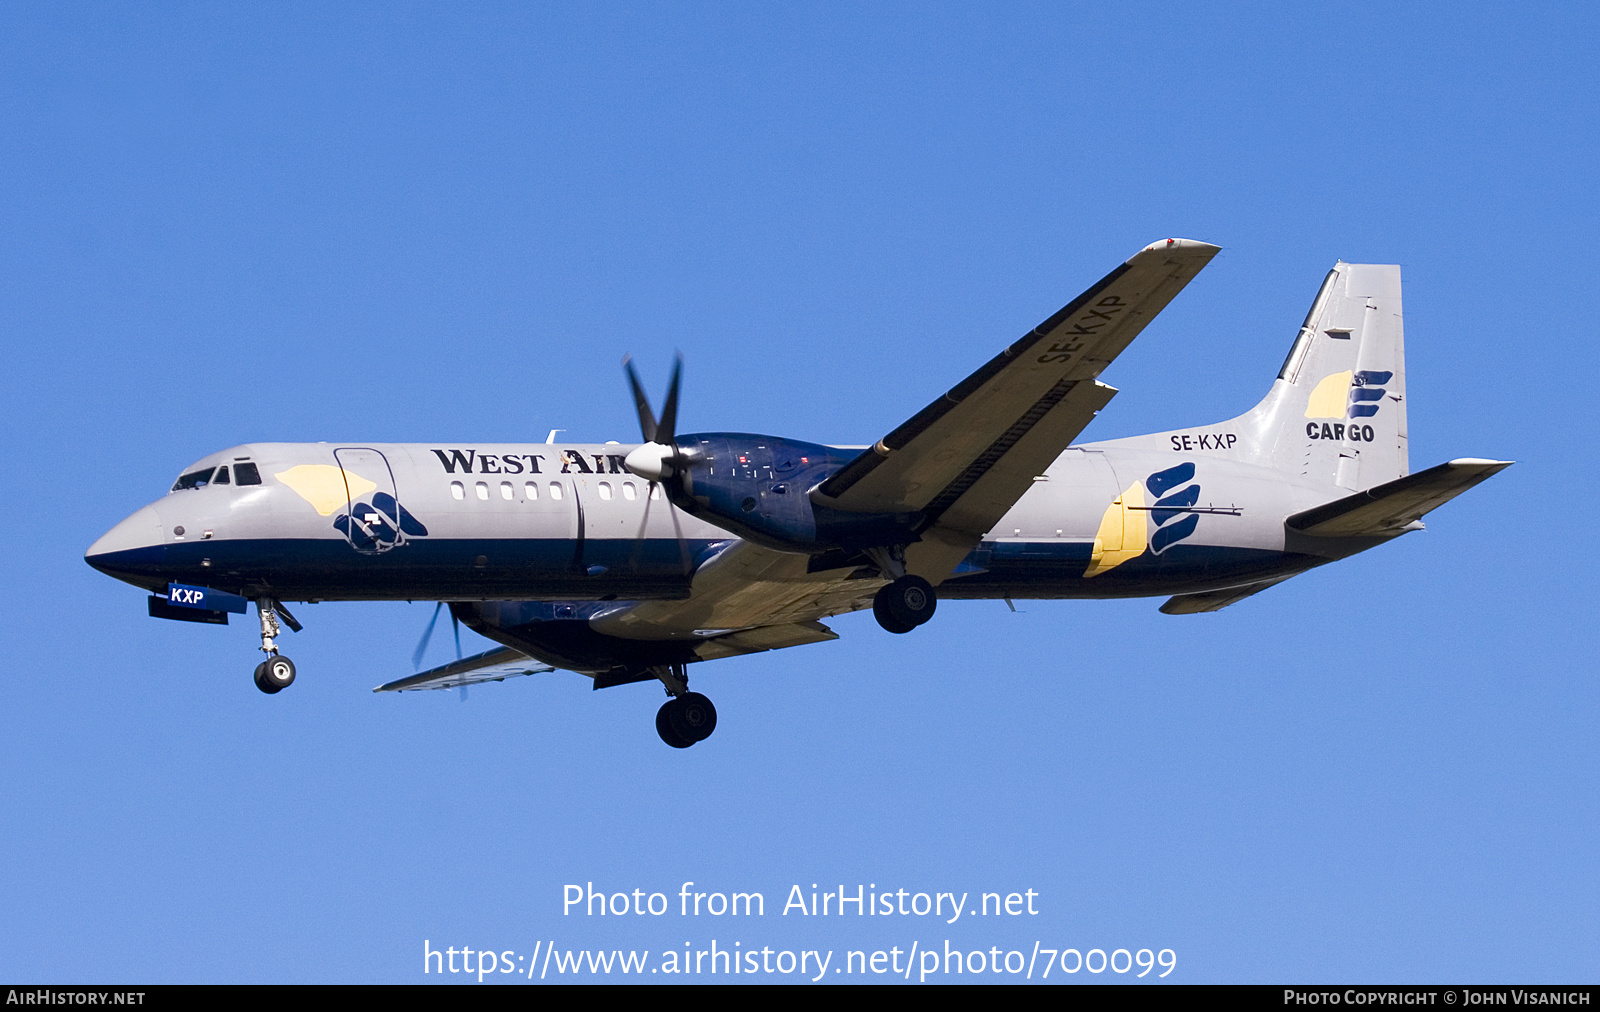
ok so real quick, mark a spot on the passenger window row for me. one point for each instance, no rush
(554, 490)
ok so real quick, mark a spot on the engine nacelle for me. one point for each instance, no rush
(757, 487)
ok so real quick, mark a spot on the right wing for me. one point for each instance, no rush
(964, 460)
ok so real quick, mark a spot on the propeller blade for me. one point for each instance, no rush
(638, 540)
(683, 546)
(667, 431)
(455, 623)
(647, 418)
(422, 648)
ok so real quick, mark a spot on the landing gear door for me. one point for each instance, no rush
(374, 521)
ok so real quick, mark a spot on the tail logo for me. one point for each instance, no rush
(1348, 395)
(1366, 391)
(1124, 530)
(1168, 510)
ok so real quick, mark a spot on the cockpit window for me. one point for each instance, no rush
(221, 478)
(194, 479)
(247, 474)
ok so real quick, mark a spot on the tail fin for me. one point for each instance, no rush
(1337, 411)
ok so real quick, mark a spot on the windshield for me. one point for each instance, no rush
(194, 479)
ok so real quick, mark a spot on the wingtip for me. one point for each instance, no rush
(1191, 247)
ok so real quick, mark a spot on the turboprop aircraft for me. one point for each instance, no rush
(630, 563)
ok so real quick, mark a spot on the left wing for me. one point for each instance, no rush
(964, 460)
(490, 666)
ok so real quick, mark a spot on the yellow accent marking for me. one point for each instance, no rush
(1331, 397)
(323, 485)
(1123, 534)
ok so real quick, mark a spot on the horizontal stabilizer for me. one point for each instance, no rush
(490, 666)
(1214, 600)
(1391, 507)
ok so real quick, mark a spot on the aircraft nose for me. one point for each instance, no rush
(134, 544)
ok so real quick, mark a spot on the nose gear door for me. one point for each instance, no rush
(374, 522)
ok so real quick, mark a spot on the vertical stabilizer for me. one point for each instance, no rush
(1337, 411)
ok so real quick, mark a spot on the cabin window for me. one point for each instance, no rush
(555, 490)
(246, 474)
(506, 492)
(629, 492)
(483, 491)
(456, 491)
(531, 490)
(605, 490)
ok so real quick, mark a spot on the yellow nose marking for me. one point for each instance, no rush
(324, 486)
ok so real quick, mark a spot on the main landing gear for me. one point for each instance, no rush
(904, 604)
(687, 717)
(276, 673)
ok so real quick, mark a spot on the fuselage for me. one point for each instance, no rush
(567, 522)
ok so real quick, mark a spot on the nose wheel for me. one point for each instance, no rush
(274, 674)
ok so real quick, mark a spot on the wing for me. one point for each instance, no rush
(490, 666)
(964, 460)
(746, 599)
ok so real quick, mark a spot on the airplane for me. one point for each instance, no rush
(631, 562)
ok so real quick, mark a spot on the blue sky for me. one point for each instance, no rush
(226, 224)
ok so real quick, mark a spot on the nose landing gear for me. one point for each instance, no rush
(276, 673)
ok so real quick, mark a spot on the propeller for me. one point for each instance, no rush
(427, 634)
(658, 457)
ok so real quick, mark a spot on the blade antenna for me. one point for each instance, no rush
(422, 648)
